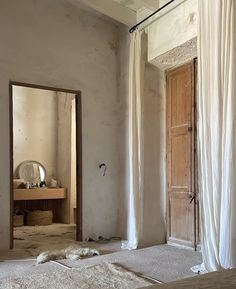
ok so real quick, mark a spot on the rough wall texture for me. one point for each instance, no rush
(154, 150)
(53, 43)
(35, 128)
(177, 56)
(154, 212)
(172, 36)
(64, 152)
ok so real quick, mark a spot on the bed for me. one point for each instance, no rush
(216, 280)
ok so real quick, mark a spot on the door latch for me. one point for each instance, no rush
(192, 199)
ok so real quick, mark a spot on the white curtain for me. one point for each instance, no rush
(135, 194)
(216, 138)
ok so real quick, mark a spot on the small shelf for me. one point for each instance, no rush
(39, 194)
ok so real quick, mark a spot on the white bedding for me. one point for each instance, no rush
(216, 280)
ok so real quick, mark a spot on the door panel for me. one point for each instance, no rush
(181, 103)
(182, 226)
(180, 172)
(180, 155)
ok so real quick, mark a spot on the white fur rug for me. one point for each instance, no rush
(71, 253)
(101, 276)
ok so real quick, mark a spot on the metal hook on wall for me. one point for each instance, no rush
(103, 165)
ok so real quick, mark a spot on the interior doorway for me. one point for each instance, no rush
(183, 217)
(46, 164)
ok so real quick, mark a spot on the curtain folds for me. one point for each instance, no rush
(135, 198)
(216, 138)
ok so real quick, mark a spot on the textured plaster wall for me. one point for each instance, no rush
(172, 36)
(35, 128)
(64, 152)
(154, 150)
(154, 213)
(53, 43)
(177, 56)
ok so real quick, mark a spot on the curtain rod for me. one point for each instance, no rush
(161, 8)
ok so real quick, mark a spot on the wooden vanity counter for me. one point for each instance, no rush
(39, 194)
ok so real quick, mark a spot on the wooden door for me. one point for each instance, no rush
(181, 155)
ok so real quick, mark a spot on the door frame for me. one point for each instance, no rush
(79, 176)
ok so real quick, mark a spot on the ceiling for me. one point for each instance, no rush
(128, 12)
(136, 5)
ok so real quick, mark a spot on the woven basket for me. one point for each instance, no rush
(18, 220)
(39, 218)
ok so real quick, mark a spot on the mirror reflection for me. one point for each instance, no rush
(32, 172)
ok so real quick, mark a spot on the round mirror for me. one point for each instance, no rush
(32, 171)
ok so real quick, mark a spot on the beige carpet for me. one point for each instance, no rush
(163, 262)
(99, 276)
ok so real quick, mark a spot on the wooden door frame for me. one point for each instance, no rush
(196, 188)
(79, 177)
(194, 179)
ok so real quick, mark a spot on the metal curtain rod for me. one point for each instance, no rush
(161, 8)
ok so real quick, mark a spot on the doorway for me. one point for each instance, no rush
(46, 164)
(183, 217)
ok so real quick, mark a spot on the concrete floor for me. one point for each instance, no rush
(35, 238)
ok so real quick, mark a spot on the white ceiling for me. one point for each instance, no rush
(136, 5)
(127, 12)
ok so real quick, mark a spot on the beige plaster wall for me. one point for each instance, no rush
(154, 151)
(154, 212)
(53, 43)
(35, 128)
(172, 35)
(64, 152)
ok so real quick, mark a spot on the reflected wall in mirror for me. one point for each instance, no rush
(32, 172)
(45, 148)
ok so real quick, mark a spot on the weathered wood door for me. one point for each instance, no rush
(181, 174)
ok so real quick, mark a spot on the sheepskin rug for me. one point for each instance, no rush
(101, 276)
(71, 252)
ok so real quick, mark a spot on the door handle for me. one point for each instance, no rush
(192, 199)
(190, 128)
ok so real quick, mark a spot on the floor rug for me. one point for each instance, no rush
(100, 276)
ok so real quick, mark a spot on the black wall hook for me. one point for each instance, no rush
(105, 168)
